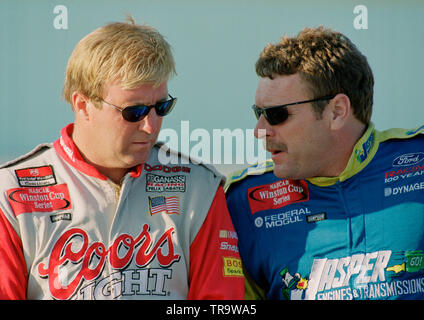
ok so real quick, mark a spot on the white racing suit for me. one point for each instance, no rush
(67, 232)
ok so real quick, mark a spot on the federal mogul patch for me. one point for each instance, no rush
(36, 176)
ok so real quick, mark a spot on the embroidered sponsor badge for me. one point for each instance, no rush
(168, 205)
(277, 194)
(157, 183)
(228, 241)
(316, 217)
(39, 199)
(232, 267)
(408, 159)
(228, 234)
(61, 216)
(166, 169)
(36, 177)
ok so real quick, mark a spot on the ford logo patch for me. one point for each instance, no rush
(408, 159)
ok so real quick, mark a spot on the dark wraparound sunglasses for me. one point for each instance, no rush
(139, 112)
(278, 114)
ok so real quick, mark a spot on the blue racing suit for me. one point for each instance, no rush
(356, 236)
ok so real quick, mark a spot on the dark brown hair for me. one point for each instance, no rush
(329, 63)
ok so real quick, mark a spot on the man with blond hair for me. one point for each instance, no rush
(95, 215)
(339, 214)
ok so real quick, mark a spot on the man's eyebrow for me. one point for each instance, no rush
(164, 98)
(143, 104)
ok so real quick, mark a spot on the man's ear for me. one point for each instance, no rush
(80, 104)
(340, 110)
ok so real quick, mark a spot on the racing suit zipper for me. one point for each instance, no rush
(120, 192)
(117, 189)
(345, 207)
(350, 197)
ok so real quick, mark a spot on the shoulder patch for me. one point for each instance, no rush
(256, 169)
(38, 149)
(36, 176)
(39, 199)
(398, 133)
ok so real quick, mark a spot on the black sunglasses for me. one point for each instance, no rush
(139, 112)
(278, 114)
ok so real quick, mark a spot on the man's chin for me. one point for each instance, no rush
(283, 172)
(135, 159)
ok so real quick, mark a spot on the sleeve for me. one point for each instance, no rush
(13, 271)
(241, 217)
(215, 265)
(253, 291)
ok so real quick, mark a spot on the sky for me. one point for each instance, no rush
(215, 45)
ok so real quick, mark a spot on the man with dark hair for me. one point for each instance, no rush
(339, 212)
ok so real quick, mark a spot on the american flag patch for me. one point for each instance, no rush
(169, 205)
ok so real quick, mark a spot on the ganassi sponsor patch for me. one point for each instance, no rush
(39, 199)
(277, 194)
(36, 176)
(158, 183)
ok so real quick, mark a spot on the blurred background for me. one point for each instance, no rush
(215, 44)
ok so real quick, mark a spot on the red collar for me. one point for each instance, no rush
(67, 149)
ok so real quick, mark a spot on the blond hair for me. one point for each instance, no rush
(126, 52)
(328, 61)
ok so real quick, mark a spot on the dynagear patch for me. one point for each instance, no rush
(36, 177)
(39, 199)
(277, 194)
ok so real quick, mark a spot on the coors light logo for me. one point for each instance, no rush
(73, 247)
